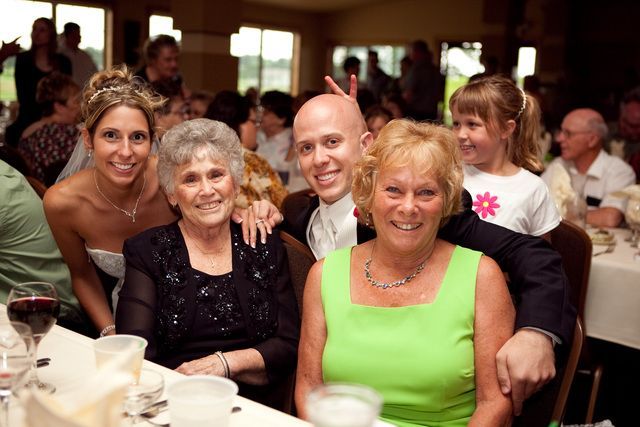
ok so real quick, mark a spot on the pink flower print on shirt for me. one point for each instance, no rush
(486, 205)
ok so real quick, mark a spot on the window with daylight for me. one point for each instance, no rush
(388, 59)
(266, 59)
(92, 22)
(161, 24)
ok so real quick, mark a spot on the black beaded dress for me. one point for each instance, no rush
(186, 314)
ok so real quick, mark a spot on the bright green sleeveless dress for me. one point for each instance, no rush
(419, 357)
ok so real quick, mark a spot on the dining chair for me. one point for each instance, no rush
(575, 247)
(37, 185)
(300, 261)
(569, 372)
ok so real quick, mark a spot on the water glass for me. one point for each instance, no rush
(201, 401)
(343, 405)
(112, 346)
(143, 393)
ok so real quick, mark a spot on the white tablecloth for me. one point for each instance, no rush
(72, 361)
(612, 310)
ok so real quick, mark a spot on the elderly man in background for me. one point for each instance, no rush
(82, 66)
(626, 141)
(594, 173)
(330, 136)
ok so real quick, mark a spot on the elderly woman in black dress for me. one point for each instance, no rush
(207, 302)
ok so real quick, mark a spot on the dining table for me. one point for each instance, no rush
(73, 361)
(612, 308)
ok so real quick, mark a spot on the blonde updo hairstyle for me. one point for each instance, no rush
(114, 87)
(424, 147)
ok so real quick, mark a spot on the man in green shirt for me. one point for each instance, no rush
(28, 252)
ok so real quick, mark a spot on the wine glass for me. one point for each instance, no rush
(143, 393)
(632, 216)
(37, 305)
(15, 359)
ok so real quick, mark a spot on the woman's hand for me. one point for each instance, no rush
(353, 89)
(261, 216)
(209, 365)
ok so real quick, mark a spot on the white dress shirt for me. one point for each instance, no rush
(343, 226)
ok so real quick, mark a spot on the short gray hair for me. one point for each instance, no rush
(183, 142)
(598, 127)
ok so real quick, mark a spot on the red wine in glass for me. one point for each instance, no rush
(37, 305)
(40, 313)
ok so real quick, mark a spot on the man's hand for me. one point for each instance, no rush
(261, 216)
(353, 89)
(525, 363)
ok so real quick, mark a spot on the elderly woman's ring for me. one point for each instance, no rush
(259, 221)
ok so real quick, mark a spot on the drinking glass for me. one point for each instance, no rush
(343, 405)
(37, 305)
(15, 360)
(201, 401)
(632, 216)
(143, 393)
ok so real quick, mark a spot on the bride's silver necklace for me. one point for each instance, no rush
(405, 280)
(131, 214)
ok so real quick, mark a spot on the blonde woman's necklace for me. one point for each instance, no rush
(131, 214)
(382, 285)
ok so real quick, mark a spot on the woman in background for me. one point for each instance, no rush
(31, 66)
(48, 143)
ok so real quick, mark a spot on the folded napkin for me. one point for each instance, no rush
(630, 192)
(98, 403)
(561, 190)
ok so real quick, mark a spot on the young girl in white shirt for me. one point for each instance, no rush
(498, 126)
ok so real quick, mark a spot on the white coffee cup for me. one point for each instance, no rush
(201, 401)
(343, 405)
(107, 348)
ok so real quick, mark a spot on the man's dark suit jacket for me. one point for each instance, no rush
(537, 281)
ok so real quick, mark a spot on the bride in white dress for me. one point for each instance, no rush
(116, 195)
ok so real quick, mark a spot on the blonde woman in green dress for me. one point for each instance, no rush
(418, 319)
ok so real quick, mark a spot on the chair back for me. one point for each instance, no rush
(300, 261)
(37, 185)
(569, 372)
(575, 247)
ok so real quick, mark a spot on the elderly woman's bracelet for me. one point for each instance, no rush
(107, 329)
(225, 365)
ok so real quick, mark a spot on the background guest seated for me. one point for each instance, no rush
(48, 143)
(207, 302)
(259, 180)
(446, 307)
(594, 173)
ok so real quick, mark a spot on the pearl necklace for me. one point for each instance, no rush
(131, 214)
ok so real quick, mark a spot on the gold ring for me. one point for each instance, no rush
(259, 221)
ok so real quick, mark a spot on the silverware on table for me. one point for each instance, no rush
(608, 250)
